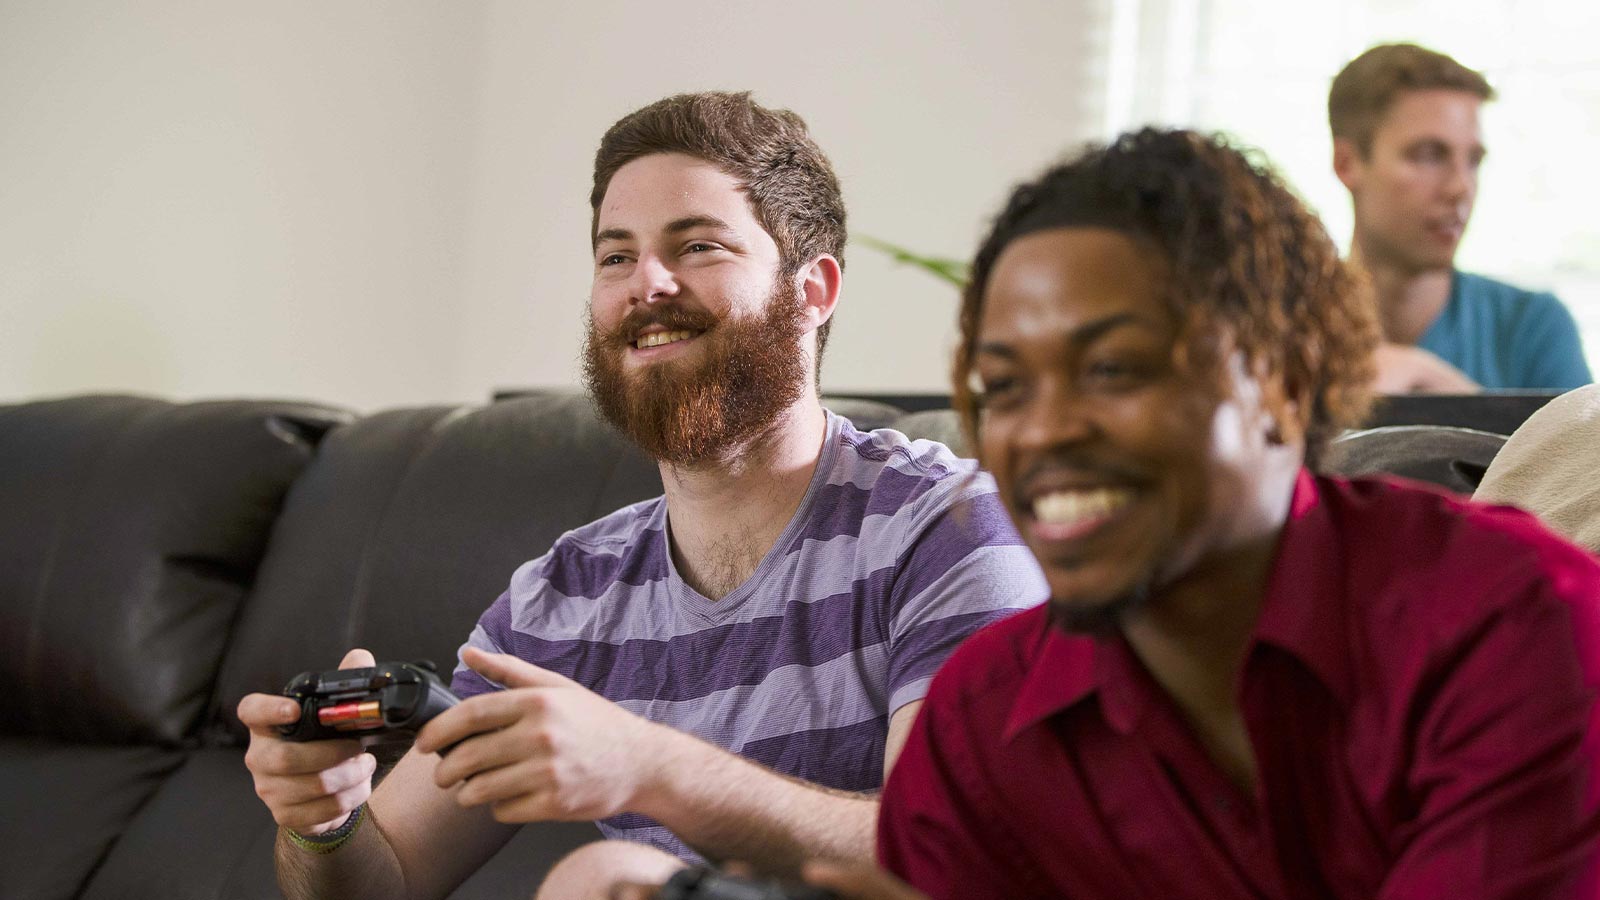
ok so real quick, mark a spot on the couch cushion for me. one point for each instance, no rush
(1551, 467)
(64, 807)
(521, 865)
(132, 527)
(208, 808)
(409, 524)
(1453, 458)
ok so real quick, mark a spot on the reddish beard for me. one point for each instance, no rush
(686, 412)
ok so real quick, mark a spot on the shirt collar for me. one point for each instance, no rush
(1304, 613)
(1060, 670)
(1301, 614)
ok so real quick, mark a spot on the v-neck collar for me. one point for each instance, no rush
(698, 605)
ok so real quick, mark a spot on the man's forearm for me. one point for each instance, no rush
(727, 807)
(365, 866)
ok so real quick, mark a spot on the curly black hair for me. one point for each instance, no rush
(1248, 266)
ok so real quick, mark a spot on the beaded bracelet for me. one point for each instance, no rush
(329, 841)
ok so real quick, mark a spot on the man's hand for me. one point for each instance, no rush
(1404, 369)
(309, 787)
(544, 748)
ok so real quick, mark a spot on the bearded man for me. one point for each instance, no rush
(729, 669)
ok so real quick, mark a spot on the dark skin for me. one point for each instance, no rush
(1085, 398)
(1127, 473)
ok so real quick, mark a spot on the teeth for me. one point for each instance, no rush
(662, 337)
(1070, 507)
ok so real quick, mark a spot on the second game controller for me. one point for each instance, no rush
(701, 883)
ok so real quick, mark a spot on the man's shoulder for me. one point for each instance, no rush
(994, 660)
(585, 560)
(619, 526)
(1532, 333)
(882, 447)
(888, 462)
(1418, 554)
(1505, 300)
(895, 493)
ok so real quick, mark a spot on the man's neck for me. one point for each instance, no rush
(1409, 300)
(726, 514)
(1194, 635)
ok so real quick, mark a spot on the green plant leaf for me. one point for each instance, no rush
(953, 271)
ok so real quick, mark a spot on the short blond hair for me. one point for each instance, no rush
(1364, 89)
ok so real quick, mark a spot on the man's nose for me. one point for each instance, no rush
(1461, 184)
(1057, 415)
(652, 281)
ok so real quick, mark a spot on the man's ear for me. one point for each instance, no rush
(1282, 409)
(820, 283)
(1286, 427)
(1348, 163)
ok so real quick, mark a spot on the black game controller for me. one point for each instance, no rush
(351, 703)
(701, 883)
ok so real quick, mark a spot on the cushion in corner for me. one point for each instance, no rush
(130, 529)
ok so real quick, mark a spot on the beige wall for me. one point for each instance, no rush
(379, 204)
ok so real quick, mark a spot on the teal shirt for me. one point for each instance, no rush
(1505, 337)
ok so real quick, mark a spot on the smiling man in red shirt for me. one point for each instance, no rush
(1251, 681)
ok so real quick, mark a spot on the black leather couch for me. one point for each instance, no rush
(158, 561)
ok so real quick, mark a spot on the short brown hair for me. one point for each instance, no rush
(1244, 259)
(1365, 88)
(785, 176)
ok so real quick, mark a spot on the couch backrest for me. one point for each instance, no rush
(1453, 458)
(132, 529)
(409, 523)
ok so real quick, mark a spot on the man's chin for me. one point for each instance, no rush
(1437, 264)
(1099, 617)
(1428, 260)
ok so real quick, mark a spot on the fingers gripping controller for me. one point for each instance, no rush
(385, 698)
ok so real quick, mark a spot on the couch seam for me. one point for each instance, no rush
(358, 590)
(35, 637)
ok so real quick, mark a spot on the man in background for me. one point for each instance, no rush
(1407, 145)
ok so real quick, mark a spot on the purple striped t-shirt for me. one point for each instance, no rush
(898, 551)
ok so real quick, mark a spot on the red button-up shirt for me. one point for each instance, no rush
(1419, 694)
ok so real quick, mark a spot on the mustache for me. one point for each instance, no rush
(668, 316)
(1081, 461)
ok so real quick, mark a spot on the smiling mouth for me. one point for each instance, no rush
(662, 338)
(1075, 513)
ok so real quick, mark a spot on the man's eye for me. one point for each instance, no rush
(613, 259)
(1428, 153)
(700, 247)
(992, 391)
(1112, 373)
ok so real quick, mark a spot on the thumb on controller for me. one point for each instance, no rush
(358, 659)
